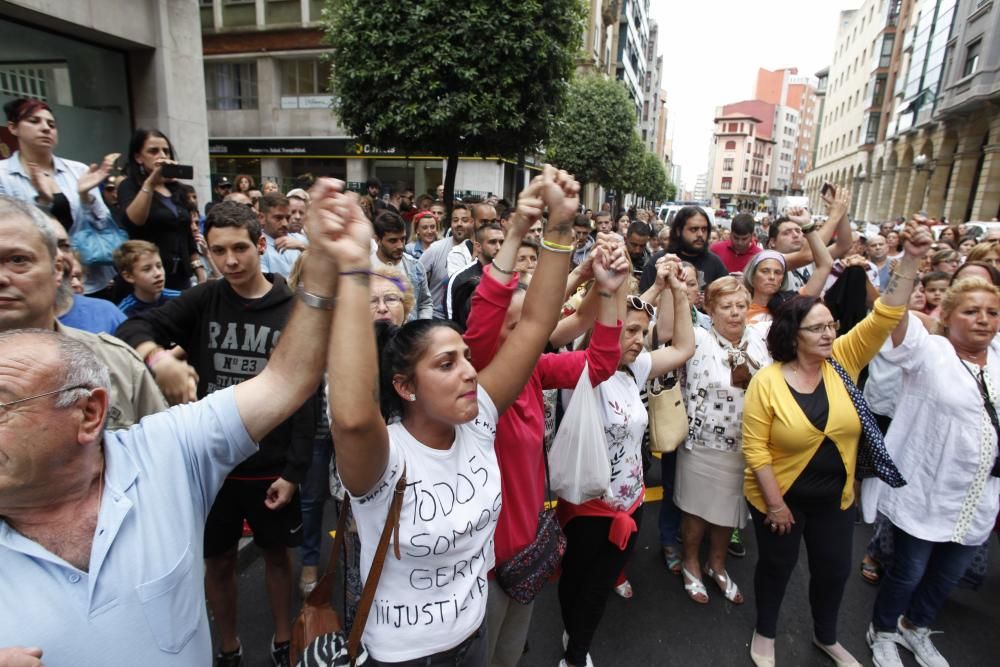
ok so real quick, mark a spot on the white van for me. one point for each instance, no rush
(668, 211)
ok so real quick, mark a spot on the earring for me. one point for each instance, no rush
(412, 397)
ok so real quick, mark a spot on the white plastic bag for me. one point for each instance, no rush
(578, 459)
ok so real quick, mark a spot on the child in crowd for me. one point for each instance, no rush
(935, 285)
(138, 263)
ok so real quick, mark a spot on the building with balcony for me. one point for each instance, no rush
(106, 68)
(742, 152)
(629, 48)
(863, 47)
(931, 129)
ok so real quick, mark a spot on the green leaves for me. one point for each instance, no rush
(475, 77)
(593, 135)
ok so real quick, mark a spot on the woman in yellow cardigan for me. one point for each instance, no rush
(800, 440)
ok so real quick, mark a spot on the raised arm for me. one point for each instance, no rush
(837, 220)
(593, 307)
(676, 354)
(822, 257)
(903, 279)
(292, 374)
(506, 375)
(359, 432)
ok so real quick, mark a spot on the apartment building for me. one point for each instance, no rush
(742, 153)
(863, 45)
(932, 116)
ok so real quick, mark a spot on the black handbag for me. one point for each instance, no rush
(524, 574)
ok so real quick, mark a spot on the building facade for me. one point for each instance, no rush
(107, 68)
(742, 153)
(935, 145)
(267, 86)
(864, 43)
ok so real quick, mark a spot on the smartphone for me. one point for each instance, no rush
(828, 187)
(182, 171)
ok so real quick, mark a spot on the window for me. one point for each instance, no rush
(730, 145)
(733, 127)
(885, 56)
(972, 58)
(304, 77)
(231, 85)
(727, 183)
(727, 164)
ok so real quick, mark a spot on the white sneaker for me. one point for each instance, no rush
(918, 640)
(565, 642)
(883, 645)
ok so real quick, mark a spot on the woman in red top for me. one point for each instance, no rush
(496, 309)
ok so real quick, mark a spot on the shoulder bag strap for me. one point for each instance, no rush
(991, 412)
(324, 589)
(391, 529)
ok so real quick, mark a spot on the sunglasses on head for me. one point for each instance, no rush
(635, 303)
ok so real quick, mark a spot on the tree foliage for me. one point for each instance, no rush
(478, 77)
(654, 184)
(594, 134)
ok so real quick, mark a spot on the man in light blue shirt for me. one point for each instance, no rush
(274, 217)
(101, 532)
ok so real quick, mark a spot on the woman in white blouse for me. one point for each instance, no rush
(949, 458)
(709, 483)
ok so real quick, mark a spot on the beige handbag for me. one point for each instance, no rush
(668, 421)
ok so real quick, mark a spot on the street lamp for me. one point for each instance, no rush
(860, 178)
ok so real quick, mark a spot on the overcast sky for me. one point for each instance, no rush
(711, 52)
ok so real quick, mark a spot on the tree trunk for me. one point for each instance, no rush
(451, 171)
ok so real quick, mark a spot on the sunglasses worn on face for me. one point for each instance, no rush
(635, 303)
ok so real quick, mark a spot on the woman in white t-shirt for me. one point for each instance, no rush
(431, 597)
(601, 533)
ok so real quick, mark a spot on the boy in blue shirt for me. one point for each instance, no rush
(138, 263)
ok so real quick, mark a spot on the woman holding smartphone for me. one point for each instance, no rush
(154, 208)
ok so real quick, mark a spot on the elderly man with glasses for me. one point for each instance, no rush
(101, 530)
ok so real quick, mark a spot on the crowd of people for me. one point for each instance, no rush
(171, 382)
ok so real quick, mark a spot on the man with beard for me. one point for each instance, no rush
(688, 239)
(636, 238)
(435, 258)
(390, 234)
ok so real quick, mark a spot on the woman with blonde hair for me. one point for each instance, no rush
(984, 252)
(709, 483)
(426, 230)
(949, 458)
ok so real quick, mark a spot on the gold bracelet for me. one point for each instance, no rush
(557, 247)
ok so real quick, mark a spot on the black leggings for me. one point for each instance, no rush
(827, 531)
(589, 570)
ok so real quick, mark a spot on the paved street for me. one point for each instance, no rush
(660, 626)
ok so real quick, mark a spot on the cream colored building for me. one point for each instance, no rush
(861, 39)
(933, 144)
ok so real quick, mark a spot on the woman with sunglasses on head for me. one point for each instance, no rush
(155, 209)
(426, 230)
(800, 439)
(765, 276)
(601, 533)
(708, 486)
(65, 189)
(430, 602)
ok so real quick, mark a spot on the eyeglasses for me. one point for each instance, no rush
(635, 303)
(834, 327)
(390, 300)
(5, 406)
